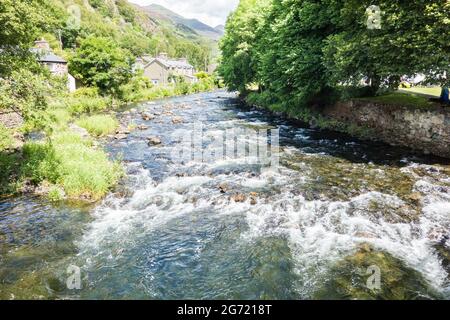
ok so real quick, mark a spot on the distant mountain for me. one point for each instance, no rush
(220, 28)
(161, 14)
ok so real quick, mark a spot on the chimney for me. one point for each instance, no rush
(163, 56)
(42, 44)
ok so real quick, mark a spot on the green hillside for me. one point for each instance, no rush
(127, 25)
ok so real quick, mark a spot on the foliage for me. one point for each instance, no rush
(22, 21)
(98, 125)
(100, 63)
(307, 52)
(25, 93)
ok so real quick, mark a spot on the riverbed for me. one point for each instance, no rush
(333, 212)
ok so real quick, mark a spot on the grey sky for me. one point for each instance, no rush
(211, 12)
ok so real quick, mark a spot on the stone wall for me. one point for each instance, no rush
(426, 130)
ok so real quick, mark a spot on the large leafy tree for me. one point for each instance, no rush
(239, 45)
(100, 63)
(412, 37)
(300, 51)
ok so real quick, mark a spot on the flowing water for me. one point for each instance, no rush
(310, 228)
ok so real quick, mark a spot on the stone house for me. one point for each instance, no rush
(161, 69)
(56, 65)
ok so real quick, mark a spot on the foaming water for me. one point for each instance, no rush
(231, 229)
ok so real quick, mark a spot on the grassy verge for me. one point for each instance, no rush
(429, 91)
(67, 165)
(401, 99)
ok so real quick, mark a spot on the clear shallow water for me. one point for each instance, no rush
(333, 207)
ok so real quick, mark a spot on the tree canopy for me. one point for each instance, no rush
(100, 63)
(298, 51)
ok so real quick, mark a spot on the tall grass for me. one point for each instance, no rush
(98, 125)
(69, 162)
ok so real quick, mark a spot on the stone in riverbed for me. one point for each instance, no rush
(177, 120)
(148, 116)
(154, 141)
(120, 136)
(354, 277)
(122, 131)
(142, 127)
(239, 197)
(223, 187)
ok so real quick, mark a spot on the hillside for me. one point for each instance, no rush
(162, 15)
(129, 26)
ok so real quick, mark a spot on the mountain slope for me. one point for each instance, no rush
(164, 15)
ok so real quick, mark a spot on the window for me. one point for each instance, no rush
(154, 81)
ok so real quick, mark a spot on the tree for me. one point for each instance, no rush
(239, 55)
(100, 63)
(21, 22)
(412, 38)
(303, 52)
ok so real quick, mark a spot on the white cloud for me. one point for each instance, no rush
(211, 12)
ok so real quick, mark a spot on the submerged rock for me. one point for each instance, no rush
(354, 278)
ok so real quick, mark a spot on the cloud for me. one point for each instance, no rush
(211, 12)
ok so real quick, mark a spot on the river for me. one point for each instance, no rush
(313, 227)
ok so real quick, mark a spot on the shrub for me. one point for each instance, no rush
(98, 125)
(91, 92)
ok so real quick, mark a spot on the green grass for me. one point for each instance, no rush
(433, 91)
(6, 139)
(98, 125)
(70, 164)
(401, 99)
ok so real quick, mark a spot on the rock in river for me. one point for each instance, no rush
(154, 141)
(148, 116)
(177, 120)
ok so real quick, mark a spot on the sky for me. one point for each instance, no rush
(211, 12)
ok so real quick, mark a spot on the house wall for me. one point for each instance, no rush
(157, 72)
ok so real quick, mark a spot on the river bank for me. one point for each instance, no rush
(423, 127)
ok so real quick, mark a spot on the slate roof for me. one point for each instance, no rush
(171, 63)
(46, 56)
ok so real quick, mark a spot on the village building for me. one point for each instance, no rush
(162, 69)
(57, 65)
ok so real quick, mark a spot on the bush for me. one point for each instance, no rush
(98, 125)
(90, 92)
